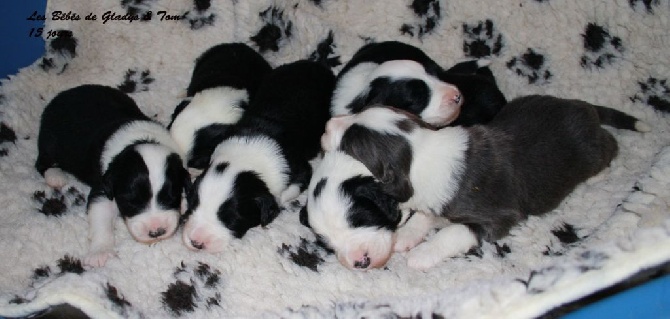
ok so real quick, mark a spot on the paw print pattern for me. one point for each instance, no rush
(275, 31)
(136, 81)
(531, 65)
(195, 286)
(647, 5)
(601, 48)
(429, 15)
(200, 16)
(137, 7)
(58, 202)
(59, 52)
(306, 254)
(325, 52)
(482, 39)
(7, 135)
(654, 92)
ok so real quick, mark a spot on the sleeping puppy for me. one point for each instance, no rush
(483, 179)
(264, 162)
(134, 168)
(400, 75)
(224, 79)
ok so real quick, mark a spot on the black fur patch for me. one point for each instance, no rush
(319, 187)
(429, 14)
(275, 30)
(179, 297)
(136, 81)
(566, 234)
(482, 39)
(305, 255)
(655, 93)
(325, 52)
(221, 167)
(70, 264)
(113, 295)
(60, 51)
(648, 5)
(531, 65)
(199, 17)
(601, 48)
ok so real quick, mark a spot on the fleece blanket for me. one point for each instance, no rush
(612, 227)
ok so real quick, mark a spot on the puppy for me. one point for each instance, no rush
(134, 168)
(264, 162)
(483, 179)
(224, 79)
(400, 75)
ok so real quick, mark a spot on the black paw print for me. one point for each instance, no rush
(531, 65)
(306, 254)
(58, 202)
(195, 285)
(429, 14)
(648, 5)
(59, 52)
(601, 48)
(200, 16)
(654, 92)
(135, 81)
(275, 30)
(7, 135)
(482, 40)
(325, 52)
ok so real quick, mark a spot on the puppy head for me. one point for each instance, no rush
(224, 204)
(350, 213)
(381, 138)
(147, 181)
(406, 85)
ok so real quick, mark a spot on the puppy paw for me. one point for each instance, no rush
(423, 257)
(289, 194)
(406, 239)
(98, 258)
(55, 178)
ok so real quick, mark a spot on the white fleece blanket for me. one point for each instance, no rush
(608, 52)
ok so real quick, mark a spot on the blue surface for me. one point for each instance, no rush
(20, 42)
(648, 301)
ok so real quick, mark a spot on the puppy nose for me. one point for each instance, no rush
(457, 99)
(197, 245)
(363, 263)
(157, 233)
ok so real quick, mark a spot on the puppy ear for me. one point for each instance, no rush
(387, 156)
(268, 208)
(373, 191)
(107, 185)
(335, 127)
(304, 219)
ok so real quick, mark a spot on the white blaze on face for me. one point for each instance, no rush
(155, 223)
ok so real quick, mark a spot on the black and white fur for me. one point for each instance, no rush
(134, 168)
(264, 163)
(224, 79)
(483, 179)
(400, 75)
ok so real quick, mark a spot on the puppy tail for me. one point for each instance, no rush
(620, 119)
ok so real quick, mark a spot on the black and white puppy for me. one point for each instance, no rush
(265, 161)
(224, 79)
(134, 168)
(400, 75)
(483, 179)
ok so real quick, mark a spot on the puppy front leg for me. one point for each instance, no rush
(450, 241)
(101, 215)
(413, 231)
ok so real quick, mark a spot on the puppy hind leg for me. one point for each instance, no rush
(448, 242)
(101, 215)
